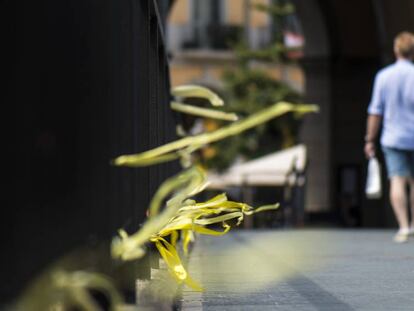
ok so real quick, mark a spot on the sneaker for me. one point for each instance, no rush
(401, 236)
(411, 231)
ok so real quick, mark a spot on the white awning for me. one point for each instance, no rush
(271, 170)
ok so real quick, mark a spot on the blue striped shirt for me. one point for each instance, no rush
(393, 99)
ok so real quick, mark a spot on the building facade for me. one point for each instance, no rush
(347, 41)
(199, 54)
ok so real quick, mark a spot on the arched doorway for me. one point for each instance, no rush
(347, 42)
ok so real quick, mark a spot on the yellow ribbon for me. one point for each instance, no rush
(197, 91)
(203, 112)
(61, 290)
(182, 214)
(173, 261)
(190, 144)
(191, 218)
(185, 185)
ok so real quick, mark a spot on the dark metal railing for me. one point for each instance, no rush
(91, 84)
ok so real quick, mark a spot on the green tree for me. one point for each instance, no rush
(248, 89)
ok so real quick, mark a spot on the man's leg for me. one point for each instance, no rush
(399, 200)
(400, 172)
(412, 202)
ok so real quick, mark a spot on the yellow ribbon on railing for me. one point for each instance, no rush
(195, 218)
(191, 218)
(190, 144)
(169, 253)
(185, 185)
(64, 290)
(203, 112)
(182, 214)
(197, 91)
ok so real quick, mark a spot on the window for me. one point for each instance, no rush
(208, 28)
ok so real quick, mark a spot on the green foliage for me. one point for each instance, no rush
(273, 53)
(279, 8)
(249, 89)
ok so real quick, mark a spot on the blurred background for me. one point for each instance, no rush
(343, 44)
(89, 80)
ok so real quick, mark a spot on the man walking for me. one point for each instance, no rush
(392, 106)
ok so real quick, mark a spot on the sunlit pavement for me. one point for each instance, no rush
(302, 270)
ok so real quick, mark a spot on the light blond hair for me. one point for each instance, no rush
(404, 45)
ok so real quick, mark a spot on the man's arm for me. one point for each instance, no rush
(373, 126)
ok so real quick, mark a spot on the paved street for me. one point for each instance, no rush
(302, 270)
